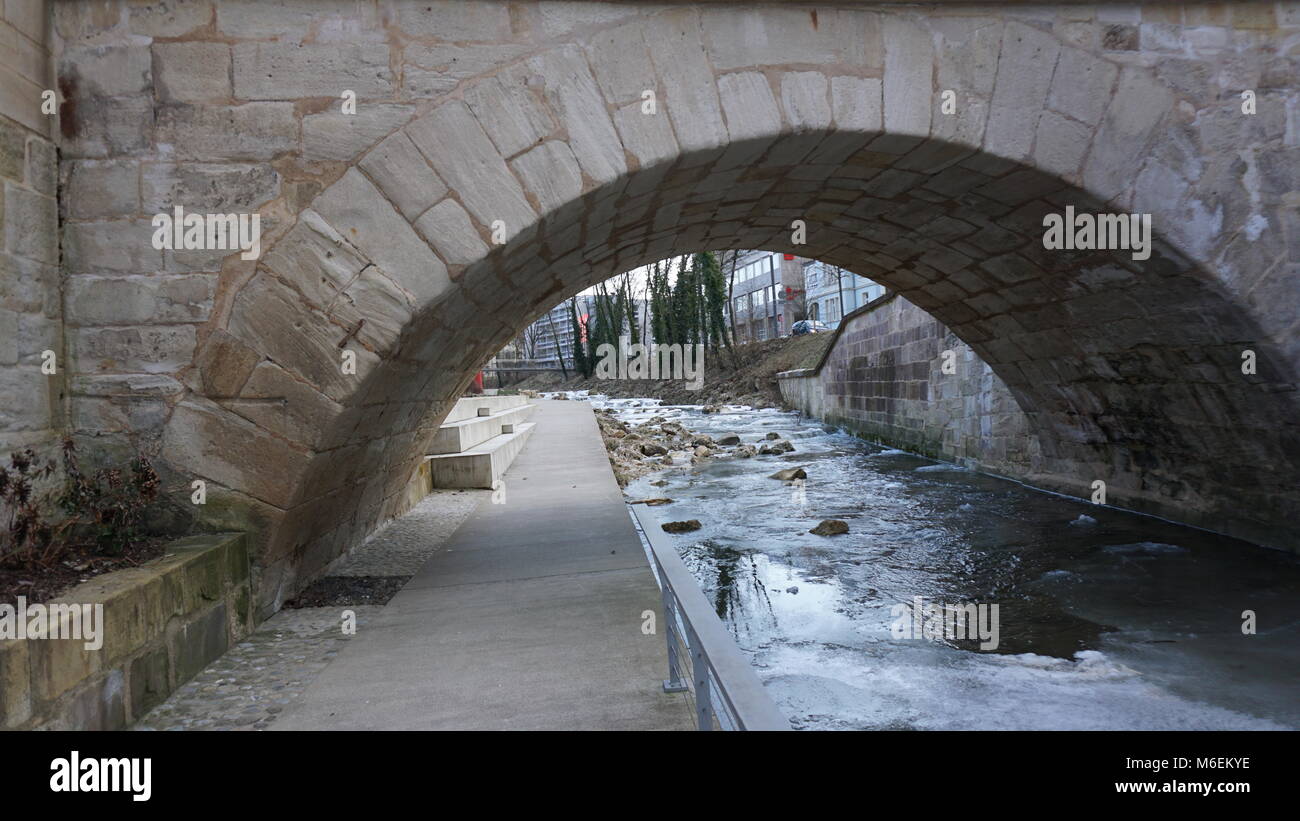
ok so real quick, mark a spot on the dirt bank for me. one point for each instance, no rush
(746, 378)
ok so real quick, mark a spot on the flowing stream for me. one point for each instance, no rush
(1107, 619)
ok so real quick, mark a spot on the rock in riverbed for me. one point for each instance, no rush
(789, 474)
(830, 527)
(682, 527)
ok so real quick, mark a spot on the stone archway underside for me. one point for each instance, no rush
(1128, 370)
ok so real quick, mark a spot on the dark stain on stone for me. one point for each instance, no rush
(813, 15)
(68, 108)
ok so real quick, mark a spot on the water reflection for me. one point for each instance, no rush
(1108, 619)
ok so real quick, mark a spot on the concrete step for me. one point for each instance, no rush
(460, 436)
(481, 466)
(468, 407)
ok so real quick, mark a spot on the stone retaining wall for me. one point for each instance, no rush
(31, 309)
(883, 379)
(163, 622)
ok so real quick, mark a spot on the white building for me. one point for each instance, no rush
(833, 292)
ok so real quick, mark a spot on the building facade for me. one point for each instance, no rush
(833, 292)
(766, 293)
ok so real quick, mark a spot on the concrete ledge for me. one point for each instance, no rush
(461, 435)
(162, 623)
(480, 466)
(797, 373)
(467, 407)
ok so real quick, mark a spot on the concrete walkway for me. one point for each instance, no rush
(528, 619)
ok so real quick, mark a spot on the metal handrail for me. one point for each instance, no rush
(726, 688)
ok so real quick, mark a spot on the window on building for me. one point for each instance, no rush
(833, 309)
(814, 312)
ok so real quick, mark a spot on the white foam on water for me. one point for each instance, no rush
(1084, 519)
(927, 687)
(1145, 548)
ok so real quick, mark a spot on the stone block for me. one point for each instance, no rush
(27, 399)
(432, 71)
(282, 404)
(107, 126)
(290, 21)
(679, 60)
(13, 157)
(624, 61)
(358, 212)
(1082, 85)
(101, 189)
(31, 224)
(1139, 105)
(58, 665)
(1061, 144)
(315, 260)
(149, 681)
(466, 159)
(399, 170)
(649, 137)
(170, 18)
(908, 79)
(271, 319)
(288, 71)
(139, 300)
(1024, 76)
(42, 166)
(751, 111)
(340, 137)
(123, 246)
(509, 112)
(805, 96)
(455, 21)
(574, 97)
(253, 131)
(192, 72)
(200, 642)
(448, 229)
(15, 683)
(107, 71)
(224, 364)
(551, 173)
(776, 36)
(158, 348)
(207, 442)
(208, 188)
(99, 705)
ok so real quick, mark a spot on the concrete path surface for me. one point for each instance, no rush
(528, 618)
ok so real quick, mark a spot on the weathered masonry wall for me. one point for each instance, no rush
(883, 379)
(31, 310)
(377, 226)
(163, 622)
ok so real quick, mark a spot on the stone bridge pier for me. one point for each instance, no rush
(501, 156)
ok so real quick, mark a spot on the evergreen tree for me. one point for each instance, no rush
(715, 298)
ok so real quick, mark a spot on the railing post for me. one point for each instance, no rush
(700, 674)
(674, 683)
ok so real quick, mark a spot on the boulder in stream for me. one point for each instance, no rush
(830, 527)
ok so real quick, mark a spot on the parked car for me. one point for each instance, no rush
(808, 326)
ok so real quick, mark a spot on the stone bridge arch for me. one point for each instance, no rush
(1129, 370)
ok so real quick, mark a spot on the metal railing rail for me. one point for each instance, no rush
(702, 657)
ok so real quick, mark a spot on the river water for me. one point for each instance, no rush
(1107, 619)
